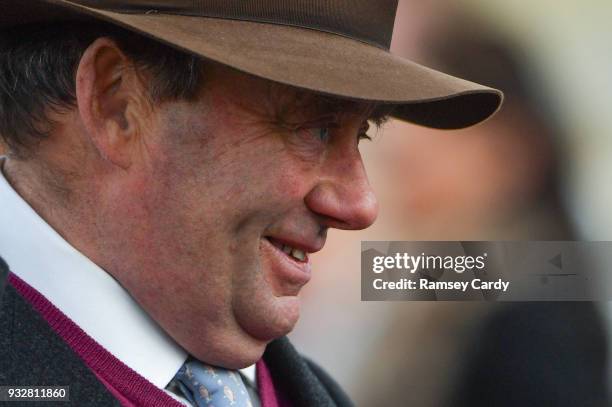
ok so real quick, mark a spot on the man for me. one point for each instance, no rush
(171, 166)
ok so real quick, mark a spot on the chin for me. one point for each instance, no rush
(270, 320)
(244, 342)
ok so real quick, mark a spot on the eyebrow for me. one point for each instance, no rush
(381, 113)
(302, 103)
(377, 113)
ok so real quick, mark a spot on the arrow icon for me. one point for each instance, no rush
(557, 261)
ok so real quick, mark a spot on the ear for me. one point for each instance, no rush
(112, 101)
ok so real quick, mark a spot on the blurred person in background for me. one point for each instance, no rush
(497, 181)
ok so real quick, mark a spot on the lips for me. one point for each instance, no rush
(287, 273)
(296, 254)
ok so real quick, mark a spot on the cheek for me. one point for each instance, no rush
(291, 176)
(291, 185)
(273, 181)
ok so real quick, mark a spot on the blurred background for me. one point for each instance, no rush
(537, 171)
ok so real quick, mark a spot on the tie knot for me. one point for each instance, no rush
(211, 386)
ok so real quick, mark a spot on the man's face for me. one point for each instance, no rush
(234, 191)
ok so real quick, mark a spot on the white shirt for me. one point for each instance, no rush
(85, 293)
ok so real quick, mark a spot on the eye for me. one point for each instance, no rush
(322, 133)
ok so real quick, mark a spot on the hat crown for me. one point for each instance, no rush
(369, 21)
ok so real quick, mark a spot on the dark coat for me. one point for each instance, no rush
(536, 354)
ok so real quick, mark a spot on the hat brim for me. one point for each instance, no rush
(317, 61)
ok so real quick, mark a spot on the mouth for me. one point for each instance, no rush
(289, 266)
(295, 254)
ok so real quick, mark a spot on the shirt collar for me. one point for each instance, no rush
(84, 292)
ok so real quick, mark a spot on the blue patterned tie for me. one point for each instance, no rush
(207, 386)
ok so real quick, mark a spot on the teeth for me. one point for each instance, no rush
(298, 254)
(295, 253)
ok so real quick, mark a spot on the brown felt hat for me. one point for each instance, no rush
(336, 47)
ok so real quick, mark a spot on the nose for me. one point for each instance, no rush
(343, 196)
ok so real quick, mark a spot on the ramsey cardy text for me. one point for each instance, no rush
(425, 284)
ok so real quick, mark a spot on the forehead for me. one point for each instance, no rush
(286, 102)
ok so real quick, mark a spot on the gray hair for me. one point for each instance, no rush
(38, 66)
